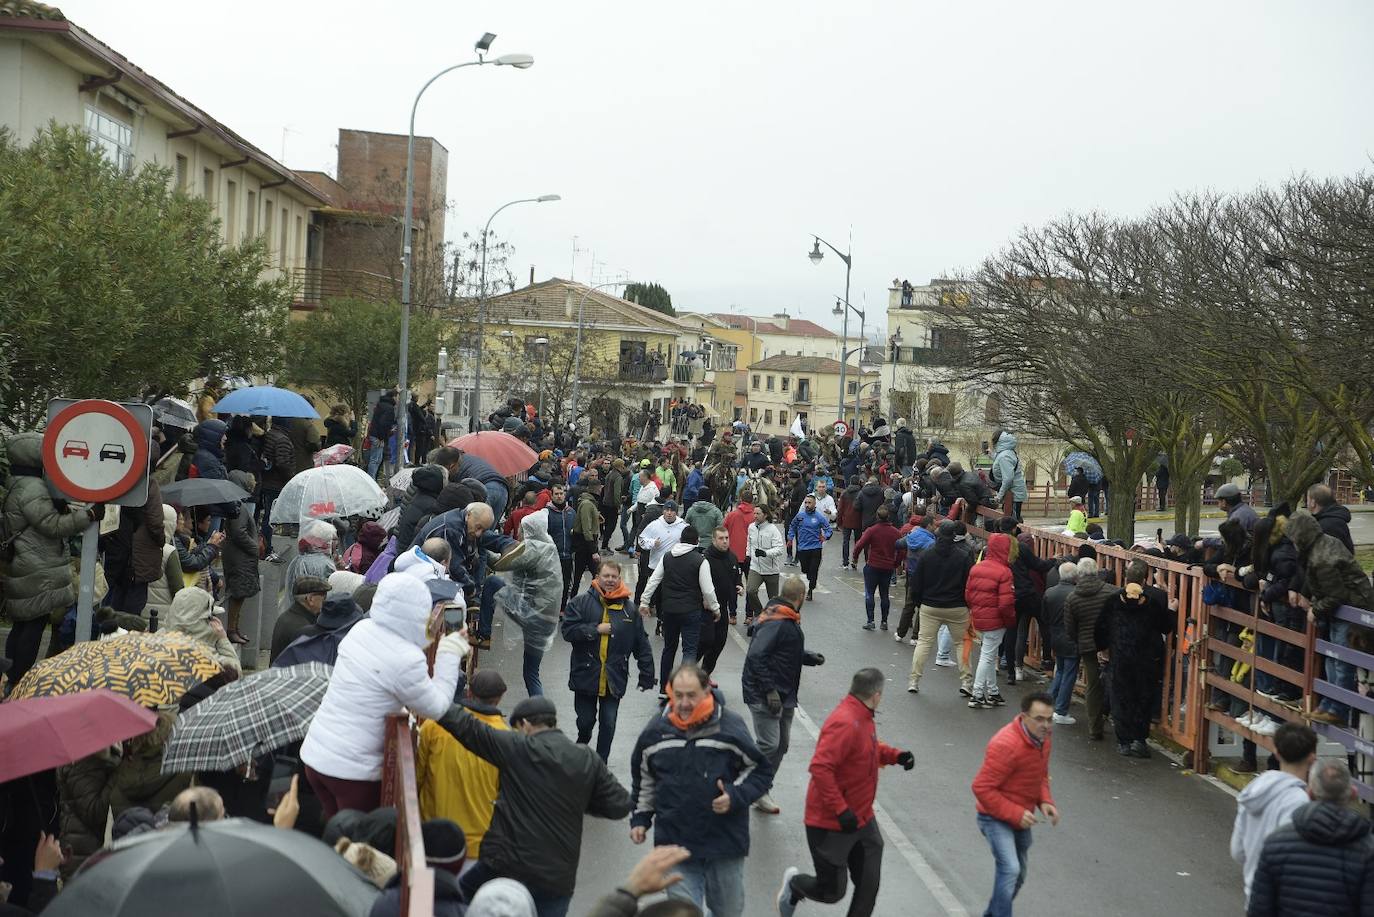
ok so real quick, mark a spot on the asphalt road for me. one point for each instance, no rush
(1136, 836)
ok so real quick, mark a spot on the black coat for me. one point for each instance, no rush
(775, 658)
(1335, 521)
(548, 784)
(1078, 486)
(1321, 865)
(580, 619)
(867, 503)
(427, 481)
(1130, 630)
(338, 433)
(904, 443)
(724, 573)
(383, 418)
(939, 579)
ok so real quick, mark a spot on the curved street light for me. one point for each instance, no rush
(476, 410)
(816, 256)
(518, 61)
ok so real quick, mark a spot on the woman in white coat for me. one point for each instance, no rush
(381, 670)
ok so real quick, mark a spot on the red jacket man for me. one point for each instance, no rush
(737, 523)
(840, 829)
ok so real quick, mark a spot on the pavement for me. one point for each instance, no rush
(1133, 831)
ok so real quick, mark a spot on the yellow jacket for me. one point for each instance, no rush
(453, 782)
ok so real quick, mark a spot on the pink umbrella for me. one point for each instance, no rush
(507, 454)
(40, 733)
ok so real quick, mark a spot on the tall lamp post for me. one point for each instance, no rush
(518, 61)
(476, 413)
(577, 347)
(847, 257)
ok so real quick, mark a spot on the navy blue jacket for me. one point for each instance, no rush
(674, 780)
(628, 636)
(561, 528)
(209, 458)
(1321, 865)
(468, 564)
(775, 658)
(470, 466)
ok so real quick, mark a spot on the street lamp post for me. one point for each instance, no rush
(475, 414)
(847, 257)
(518, 61)
(577, 347)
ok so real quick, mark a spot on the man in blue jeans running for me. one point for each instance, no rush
(1013, 792)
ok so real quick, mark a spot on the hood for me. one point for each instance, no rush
(535, 527)
(371, 534)
(1303, 529)
(680, 549)
(429, 479)
(1335, 511)
(401, 605)
(26, 449)
(190, 610)
(1329, 825)
(872, 488)
(1090, 586)
(1268, 788)
(209, 434)
(502, 898)
(169, 522)
(244, 480)
(418, 565)
(1006, 442)
(999, 549)
(919, 538)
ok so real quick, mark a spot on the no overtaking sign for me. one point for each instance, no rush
(97, 451)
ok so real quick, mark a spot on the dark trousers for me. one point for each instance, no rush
(1130, 700)
(879, 581)
(566, 566)
(1163, 495)
(609, 514)
(21, 646)
(688, 629)
(910, 620)
(713, 635)
(810, 560)
(126, 595)
(1028, 609)
(335, 793)
(582, 563)
(844, 542)
(269, 496)
(593, 710)
(833, 854)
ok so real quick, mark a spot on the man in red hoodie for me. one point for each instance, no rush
(737, 523)
(840, 828)
(1013, 792)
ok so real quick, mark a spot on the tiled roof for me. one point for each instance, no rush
(797, 326)
(547, 301)
(801, 364)
(27, 9)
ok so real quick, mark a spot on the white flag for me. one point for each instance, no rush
(797, 429)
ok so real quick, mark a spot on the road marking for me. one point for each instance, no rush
(949, 904)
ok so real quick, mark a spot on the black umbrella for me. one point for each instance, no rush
(202, 492)
(230, 868)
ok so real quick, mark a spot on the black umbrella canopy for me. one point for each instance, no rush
(230, 868)
(202, 492)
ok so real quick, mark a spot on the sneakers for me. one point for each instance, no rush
(844, 565)
(975, 701)
(1020, 674)
(911, 641)
(913, 686)
(1139, 749)
(995, 700)
(1245, 718)
(897, 637)
(869, 626)
(1124, 751)
(966, 689)
(1326, 716)
(766, 805)
(1063, 719)
(883, 625)
(273, 558)
(790, 563)
(810, 594)
(787, 905)
(943, 662)
(1264, 726)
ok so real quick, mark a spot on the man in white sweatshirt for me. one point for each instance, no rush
(1268, 802)
(661, 534)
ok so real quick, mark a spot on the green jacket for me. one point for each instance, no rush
(83, 791)
(587, 523)
(705, 517)
(1331, 577)
(40, 579)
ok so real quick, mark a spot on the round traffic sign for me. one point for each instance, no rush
(95, 451)
(841, 428)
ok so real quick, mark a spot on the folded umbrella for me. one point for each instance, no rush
(265, 400)
(152, 670)
(507, 454)
(256, 714)
(40, 733)
(230, 867)
(203, 492)
(331, 492)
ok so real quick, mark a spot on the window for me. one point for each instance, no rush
(267, 223)
(300, 240)
(767, 417)
(768, 383)
(183, 173)
(786, 381)
(231, 212)
(739, 413)
(851, 387)
(782, 418)
(536, 348)
(753, 415)
(207, 185)
(112, 137)
(992, 410)
(941, 410)
(756, 382)
(250, 215)
(803, 389)
(285, 231)
(803, 417)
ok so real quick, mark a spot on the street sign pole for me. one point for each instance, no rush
(85, 599)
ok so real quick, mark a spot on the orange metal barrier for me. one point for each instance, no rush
(399, 790)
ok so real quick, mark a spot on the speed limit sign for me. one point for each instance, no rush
(841, 428)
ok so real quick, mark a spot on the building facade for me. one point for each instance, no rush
(783, 388)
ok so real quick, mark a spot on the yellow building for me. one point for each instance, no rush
(783, 388)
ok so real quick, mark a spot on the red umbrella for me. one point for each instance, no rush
(507, 454)
(40, 733)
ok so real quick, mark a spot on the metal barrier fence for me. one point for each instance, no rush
(1204, 647)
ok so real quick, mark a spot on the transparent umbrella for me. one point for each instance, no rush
(330, 492)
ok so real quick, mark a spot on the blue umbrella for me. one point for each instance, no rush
(1091, 470)
(265, 400)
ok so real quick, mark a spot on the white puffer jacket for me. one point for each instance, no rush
(765, 536)
(380, 670)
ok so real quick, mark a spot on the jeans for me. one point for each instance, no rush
(685, 627)
(933, 622)
(1094, 501)
(985, 681)
(844, 542)
(498, 495)
(534, 658)
(1287, 654)
(717, 884)
(1341, 674)
(882, 581)
(593, 710)
(713, 636)
(772, 732)
(810, 561)
(374, 458)
(487, 607)
(946, 644)
(1061, 687)
(1010, 851)
(544, 905)
(832, 854)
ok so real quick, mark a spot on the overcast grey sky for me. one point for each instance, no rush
(699, 145)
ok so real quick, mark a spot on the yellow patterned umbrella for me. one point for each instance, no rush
(153, 670)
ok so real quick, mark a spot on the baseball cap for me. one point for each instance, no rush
(670, 505)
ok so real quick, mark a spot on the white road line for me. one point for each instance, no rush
(949, 904)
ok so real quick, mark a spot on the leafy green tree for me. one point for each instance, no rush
(352, 346)
(112, 285)
(651, 296)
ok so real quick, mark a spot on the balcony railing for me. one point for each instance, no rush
(923, 356)
(802, 396)
(314, 285)
(645, 373)
(689, 374)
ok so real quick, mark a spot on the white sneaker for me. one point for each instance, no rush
(897, 637)
(1264, 726)
(1244, 718)
(1020, 674)
(911, 641)
(766, 805)
(944, 663)
(1064, 720)
(786, 906)
(913, 686)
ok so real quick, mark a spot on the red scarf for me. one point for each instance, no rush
(700, 714)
